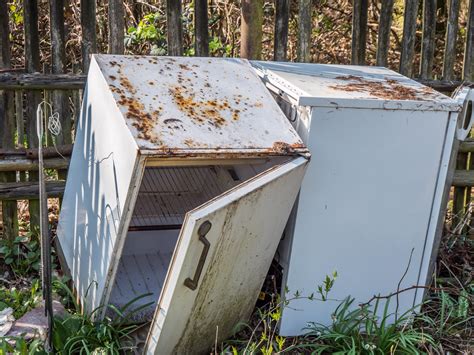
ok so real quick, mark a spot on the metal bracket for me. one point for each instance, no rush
(465, 97)
(202, 231)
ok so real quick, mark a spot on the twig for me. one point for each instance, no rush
(400, 283)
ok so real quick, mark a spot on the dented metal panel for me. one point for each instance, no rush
(246, 225)
(198, 106)
(326, 85)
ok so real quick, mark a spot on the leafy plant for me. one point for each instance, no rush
(23, 254)
(361, 330)
(20, 346)
(149, 31)
(20, 300)
(80, 333)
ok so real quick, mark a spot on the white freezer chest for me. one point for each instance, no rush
(371, 200)
(183, 175)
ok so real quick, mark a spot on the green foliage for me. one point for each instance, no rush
(80, 333)
(19, 346)
(148, 31)
(20, 300)
(448, 314)
(360, 330)
(22, 255)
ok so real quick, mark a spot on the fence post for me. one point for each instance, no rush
(428, 40)
(7, 124)
(359, 31)
(468, 68)
(280, 41)
(251, 29)
(304, 31)
(58, 65)
(409, 36)
(33, 97)
(89, 39)
(174, 27)
(116, 26)
(450, 41)
(385, 25)
(201, 33)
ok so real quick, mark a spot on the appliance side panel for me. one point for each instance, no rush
(98, 182)
(440, 203)
(364, 208)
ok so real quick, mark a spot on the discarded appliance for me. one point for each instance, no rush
(183, 175)
(371, 205)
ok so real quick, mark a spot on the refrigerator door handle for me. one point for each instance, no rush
(202, 231)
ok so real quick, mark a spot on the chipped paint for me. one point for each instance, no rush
(179, 106)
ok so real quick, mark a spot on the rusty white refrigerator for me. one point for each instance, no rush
(183, 175)
(371, 205)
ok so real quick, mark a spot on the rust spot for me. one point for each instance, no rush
(184, 67)
(112, 77)
(388, 89)
(127, 85)
(201, 111)
(189, 142)
(282, 148)
(151, 83)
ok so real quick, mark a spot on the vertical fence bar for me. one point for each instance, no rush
(58, 66)
(468, 75)
(359, 31)
(7, 124)
(409, 35)
(174, 27)
(280, 41)
(251, 29)
(450, 41)
(201, 33)
(304, 31)
(385, 25)
(468, 67)
(116, 26)
(461, 196)
(89, 37)
(428, 40)
(33, 98)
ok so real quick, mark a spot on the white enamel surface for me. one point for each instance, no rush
(351, 86)
(99, 180)
(366, 202)
(179, 105)
(247, 223)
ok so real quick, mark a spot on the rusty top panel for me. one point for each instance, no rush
(353, 86)
(182, 105)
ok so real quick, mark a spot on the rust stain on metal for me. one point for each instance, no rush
(284, 148)
(388, 89)
(202, 111)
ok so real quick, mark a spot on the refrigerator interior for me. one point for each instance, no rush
(166, 194)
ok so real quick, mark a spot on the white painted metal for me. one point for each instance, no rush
(465, 97)
(99, 184)
(184, 105)
(371, 199)
(247, 222)
(352, 86)
(142, 269)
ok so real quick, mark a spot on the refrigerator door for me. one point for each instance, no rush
(222, 256)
